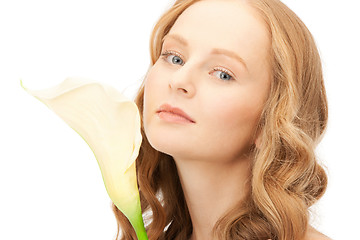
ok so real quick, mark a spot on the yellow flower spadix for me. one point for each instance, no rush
(110, 125)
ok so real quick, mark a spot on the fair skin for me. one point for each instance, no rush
(211, 153)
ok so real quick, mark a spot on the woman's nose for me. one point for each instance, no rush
(182, 81)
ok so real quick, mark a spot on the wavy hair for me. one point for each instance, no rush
(286, 177)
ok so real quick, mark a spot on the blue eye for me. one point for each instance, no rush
(224, 74)
(176, 59)
(227, 76)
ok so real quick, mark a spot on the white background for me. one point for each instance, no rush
(50, 184)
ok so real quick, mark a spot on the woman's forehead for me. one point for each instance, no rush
(228, 25)
(221, 19)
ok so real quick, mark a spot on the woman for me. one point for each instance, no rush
(237, 162)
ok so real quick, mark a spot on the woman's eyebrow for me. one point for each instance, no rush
(220, 51)
(216, 51)
(176, 37)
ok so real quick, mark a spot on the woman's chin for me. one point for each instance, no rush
(160, 145)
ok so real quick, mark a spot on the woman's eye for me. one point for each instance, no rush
(172, 57)
(223, 74)
(176, 60)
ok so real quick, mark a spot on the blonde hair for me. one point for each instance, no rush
(286, 177)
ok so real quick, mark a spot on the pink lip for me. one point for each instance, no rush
(177, 111)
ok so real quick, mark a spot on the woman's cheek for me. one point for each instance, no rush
(155, 78)
(152, 93)
(232, 111)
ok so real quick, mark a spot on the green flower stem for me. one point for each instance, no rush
(137, 223)
(141, 234)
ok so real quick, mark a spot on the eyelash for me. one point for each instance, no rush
(166, 53)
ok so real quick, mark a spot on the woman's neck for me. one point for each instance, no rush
(211, 188)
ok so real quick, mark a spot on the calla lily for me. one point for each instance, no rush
(110, 125)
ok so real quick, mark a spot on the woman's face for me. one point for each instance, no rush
(214, 67)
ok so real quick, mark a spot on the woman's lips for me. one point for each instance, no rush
(173, 114)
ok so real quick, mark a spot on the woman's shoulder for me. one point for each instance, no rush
(313, 234)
